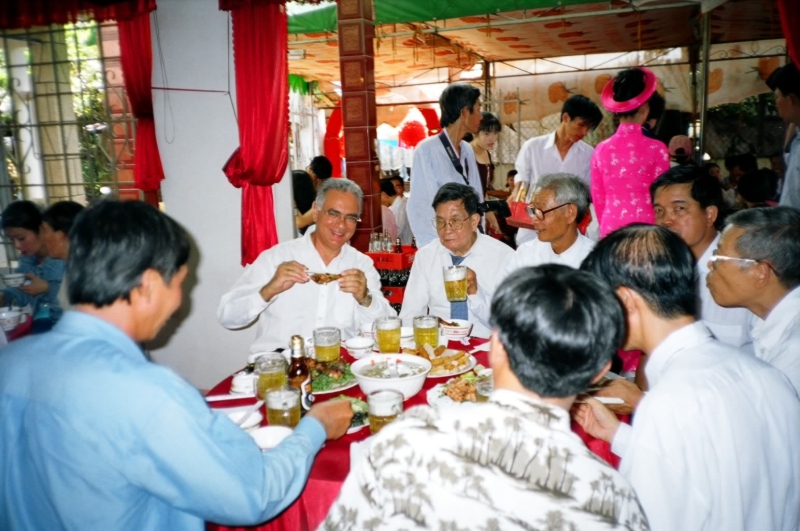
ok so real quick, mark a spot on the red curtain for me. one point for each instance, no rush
(332, 146)
(136, 56)
(25, 13)
(790, 22)
(262, 100)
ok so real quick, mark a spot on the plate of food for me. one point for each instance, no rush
(457, 390)
(360, 413)
(330, 377)
(446, 362)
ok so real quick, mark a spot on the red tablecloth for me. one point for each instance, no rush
(333, 462)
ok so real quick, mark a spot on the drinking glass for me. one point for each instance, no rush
(455, 283)
(387, 334)
(426, 331)
(484, 388)
(283, 407)
(327, 341)
(271, 373)
(384, 406)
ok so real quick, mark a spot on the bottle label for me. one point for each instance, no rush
(306, 398)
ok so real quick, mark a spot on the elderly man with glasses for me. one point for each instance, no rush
(757, 266)
(459, 243)
(558, 206)
(281, 290)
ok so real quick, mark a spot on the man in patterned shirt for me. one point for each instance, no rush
(511, 463)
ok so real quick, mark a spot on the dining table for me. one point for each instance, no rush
(332, 463)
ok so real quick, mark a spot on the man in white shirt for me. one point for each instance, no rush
(562, 151)
(785, 82)
(397, 205)
(757, 267)
(714, 442)
(558, 207)
(277, 289)
(459, 243)
(445, 158)
(511, 463)
(687, 201)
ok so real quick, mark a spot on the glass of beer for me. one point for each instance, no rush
(455, 283)
(283, 407)
(483, 388)
(271, 373)
(384, 407)
(426, 331)
(387, 334)
(327, 342)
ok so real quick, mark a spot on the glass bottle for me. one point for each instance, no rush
(398, 247)
(299, 375)
(413, 242)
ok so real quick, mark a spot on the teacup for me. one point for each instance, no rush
(14, 280)
(9, 319)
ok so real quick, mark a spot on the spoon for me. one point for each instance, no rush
(391, 364)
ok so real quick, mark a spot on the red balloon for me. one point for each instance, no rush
(412, 134)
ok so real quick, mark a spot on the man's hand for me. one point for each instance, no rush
(625, 390)
(334, 415)
(287, 275)
(36, 287)
(472, 282)
(596, 419)
(494, 225)
(354, 282)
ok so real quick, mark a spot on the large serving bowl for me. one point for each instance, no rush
(407, 385)
(462, 330)
(14, 280)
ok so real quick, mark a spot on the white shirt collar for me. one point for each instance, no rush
(551, 140)
(702, 262)
(684, 338)
(769, 332)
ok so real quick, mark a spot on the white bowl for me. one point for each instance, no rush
(358, 347)
(243, 383)
(253, 422)
(366, 330)
(408, 386)
(10, 319)
(14, 280)
(270, 436)
(462, 330)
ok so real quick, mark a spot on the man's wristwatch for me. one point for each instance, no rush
(366, 301)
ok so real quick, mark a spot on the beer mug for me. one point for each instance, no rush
(327, 342)
(270, 372)
(384, 406)
(426, 331)
(387, 334)
(283, 407)
(484, 388)
(455, 283)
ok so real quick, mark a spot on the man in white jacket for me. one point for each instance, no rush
(459, 243)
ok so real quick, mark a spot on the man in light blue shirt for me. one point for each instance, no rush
(433, 167)
(93, 436)
(785, 82)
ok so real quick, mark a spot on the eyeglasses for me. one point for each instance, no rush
(718, 257)
(538, 213)
(455, 223)
(336, 216)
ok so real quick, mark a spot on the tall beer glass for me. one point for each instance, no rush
(327, 342)
(387, 334)
(283, 407)
(384, 407)
(455, 283)
(426, 331)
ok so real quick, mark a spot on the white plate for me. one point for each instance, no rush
(235, 413)
(437, 398)
(466, 368)
(353, 429)
(270, 436)
(329, 391)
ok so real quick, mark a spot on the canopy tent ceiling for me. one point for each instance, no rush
(406, 47)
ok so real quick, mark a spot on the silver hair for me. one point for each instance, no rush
(340, 185)
(567, 188)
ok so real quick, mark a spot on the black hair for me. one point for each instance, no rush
(303, 190)
(398, 179)
(786, 78)
(579, 106)
(22, 215)
(657, 105)
(708, 165)
(455, 97)
(113, 243)
(706, 190)
(321, 167)
(745, 161)
(512, 173)
(652, 261)
(387, 187)
(61, 216)
(758, 186)
(457, 192)
(559, 327)
(627, 85)
(489, 123)
(772, 235)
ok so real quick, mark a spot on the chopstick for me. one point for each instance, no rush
(221, 398)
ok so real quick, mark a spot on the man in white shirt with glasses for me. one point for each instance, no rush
(459, 243)
(281, 291)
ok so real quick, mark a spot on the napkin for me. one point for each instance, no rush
(358, 450)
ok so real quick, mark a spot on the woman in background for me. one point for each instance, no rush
(626, 164)
(482, 144)
(56, 223)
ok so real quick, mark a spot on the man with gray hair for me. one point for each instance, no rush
(289, 288)
(559, 205)
(757, 266)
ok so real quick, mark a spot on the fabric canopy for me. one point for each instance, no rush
(27, 13)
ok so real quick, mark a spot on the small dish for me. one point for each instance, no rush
(14, 280)
(270, 436)
(236, 413)
(462, 330)
(358, 347)
(243, 382)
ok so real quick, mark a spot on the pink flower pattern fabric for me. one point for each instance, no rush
(623, 168)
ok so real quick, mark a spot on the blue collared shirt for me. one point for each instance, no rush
(51, 270)
(93, 436)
